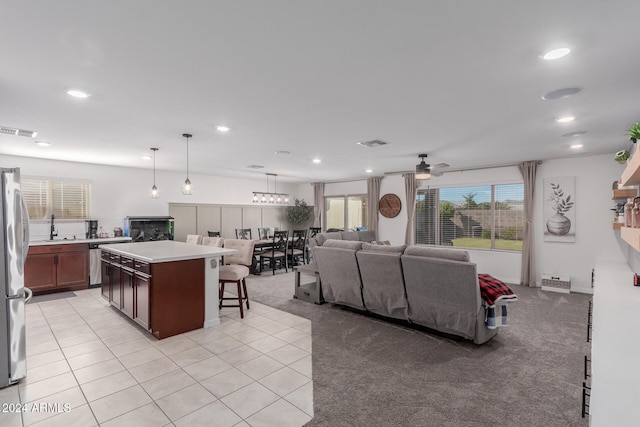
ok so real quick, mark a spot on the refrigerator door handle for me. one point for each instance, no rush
(28, 294)
(24, 221)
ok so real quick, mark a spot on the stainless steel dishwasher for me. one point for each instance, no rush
(95, 276)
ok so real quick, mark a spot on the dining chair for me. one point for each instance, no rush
(277, 253)
(297, 248)
(213, 233)
(313, 231)
(213, 241)
(194, 239)
(243, 234)
(235, 270)
(263, 233)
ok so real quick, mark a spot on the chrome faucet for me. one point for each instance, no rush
(53, 232)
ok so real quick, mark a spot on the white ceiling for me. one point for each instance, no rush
(459, 80)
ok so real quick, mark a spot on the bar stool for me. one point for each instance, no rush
(235, 270)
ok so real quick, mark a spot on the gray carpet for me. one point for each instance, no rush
(368, 372)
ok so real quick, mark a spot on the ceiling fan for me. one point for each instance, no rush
(426, 171)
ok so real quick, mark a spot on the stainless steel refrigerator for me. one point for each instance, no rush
(14, 235)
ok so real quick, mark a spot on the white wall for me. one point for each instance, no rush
(117, 192)
(503, 265)
(595, 238)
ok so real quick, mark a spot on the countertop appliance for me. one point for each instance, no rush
(92, 228)
(14, 245)
(148, 228)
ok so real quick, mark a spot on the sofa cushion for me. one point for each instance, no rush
(350, 235)
(343, 244)
(426, 251)
(367, 235)
(383, 248)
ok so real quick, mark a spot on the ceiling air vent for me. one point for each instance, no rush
(255, 167)
(19, 132)
(373, 143)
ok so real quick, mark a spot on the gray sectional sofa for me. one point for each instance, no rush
(432, 287)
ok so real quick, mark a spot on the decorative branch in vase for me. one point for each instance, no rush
(559, 224)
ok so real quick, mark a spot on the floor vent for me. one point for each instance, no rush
(556, 283)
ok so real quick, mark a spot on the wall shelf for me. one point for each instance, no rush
(625, 193)
(631, 236)
(617, 225)
(631, 174)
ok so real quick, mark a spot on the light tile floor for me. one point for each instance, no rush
(89, 365)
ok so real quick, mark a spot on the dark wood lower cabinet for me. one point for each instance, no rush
(142, 288)
(60, 267)
(128, 291)
(165, 298)
(176, 297)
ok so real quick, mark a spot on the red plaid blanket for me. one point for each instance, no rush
(493, 290)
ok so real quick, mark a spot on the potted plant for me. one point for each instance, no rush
(622, 156)
(558, 224)
(634, 132)
(299, 213)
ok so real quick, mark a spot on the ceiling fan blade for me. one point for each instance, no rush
(441, 165)
(436, 173)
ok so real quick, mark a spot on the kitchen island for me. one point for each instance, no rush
(166, 287)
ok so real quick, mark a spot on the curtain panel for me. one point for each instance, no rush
(318, 203)
(411, 190)
(528, 273)
(373, 195)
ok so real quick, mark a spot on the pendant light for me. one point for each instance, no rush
(155, 194)
(186, 187)
(266, 196)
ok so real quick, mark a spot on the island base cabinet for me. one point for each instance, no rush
(105, 274)
(176, 297)
(165, 298)
(142, 287)
(128, 291)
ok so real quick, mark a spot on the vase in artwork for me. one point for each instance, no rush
(558, 224)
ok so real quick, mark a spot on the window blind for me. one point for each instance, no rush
(481, 216)
(66, 199)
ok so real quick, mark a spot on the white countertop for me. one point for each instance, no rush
(615, 381)
(69, 241)
(166, 250)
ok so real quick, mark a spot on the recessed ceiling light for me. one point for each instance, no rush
(146, 157)
(222, 129)
(43, 143)
(369, 171)
(316, 161)
(576, 146)
(555, 53)
(282, 152)
(77, 93)
(561, 93)
(577, 133)
(565, 119)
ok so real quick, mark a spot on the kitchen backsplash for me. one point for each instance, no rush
(40, 230)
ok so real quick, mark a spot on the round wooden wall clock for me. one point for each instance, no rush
(389, 205)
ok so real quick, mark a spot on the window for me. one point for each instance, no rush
(479, 217)
(347, 213)
(62, 198)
